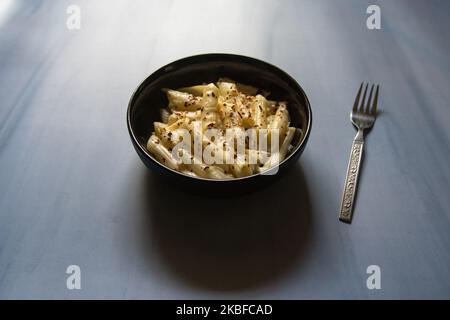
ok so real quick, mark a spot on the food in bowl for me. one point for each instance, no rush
(222, 130)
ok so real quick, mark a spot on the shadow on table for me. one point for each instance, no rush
(229, 244)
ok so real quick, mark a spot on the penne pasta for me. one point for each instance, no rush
(280, 121)
(183, 101)
(276, 159)
(161, 153)
(258, 112)
(222, 130)
(165, 114)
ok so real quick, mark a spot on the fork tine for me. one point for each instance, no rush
(369, 100)
(375, 101)
(355, 106)
(363, 101)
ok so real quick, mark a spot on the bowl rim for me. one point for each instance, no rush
(212, 56)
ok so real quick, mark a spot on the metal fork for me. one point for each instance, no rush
(363, 117)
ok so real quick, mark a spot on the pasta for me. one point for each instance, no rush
(221, 130)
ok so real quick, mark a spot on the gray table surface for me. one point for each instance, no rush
(73, 191)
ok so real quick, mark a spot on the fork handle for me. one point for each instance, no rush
(351, 181)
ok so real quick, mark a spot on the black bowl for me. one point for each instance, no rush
(144, 105)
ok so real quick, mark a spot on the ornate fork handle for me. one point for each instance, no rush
(363, 116)
(351, 181)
